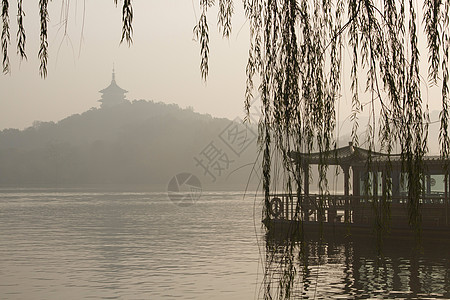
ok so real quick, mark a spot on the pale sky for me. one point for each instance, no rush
(161, 65)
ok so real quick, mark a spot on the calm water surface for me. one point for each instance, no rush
(78, 244)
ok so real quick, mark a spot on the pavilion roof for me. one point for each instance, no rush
(352, 155)
(348, 155)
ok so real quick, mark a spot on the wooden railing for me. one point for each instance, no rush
(340, 208)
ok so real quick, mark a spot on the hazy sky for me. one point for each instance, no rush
(161, 65)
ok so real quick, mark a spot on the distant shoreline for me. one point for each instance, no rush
(10, 188)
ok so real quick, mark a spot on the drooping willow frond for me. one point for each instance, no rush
(5, 38)
(226, 11)
(43, 49)
(444, 138)
(201, 33)
(296, 55)
(127, 19)
(21, 37)
(432, 9)
(43, 53)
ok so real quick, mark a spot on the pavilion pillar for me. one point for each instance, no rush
(395, 186)
(346, 170)
(305, 200)
(306, 179)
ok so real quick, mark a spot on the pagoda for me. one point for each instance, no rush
(113, 94)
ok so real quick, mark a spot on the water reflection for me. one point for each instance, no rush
(351, 269)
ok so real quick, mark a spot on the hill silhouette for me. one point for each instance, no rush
(139, 142)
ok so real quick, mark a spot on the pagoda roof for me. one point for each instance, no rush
(113, 88)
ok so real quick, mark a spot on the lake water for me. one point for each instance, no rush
(81, 244)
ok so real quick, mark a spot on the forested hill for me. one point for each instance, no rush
(141, 142)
